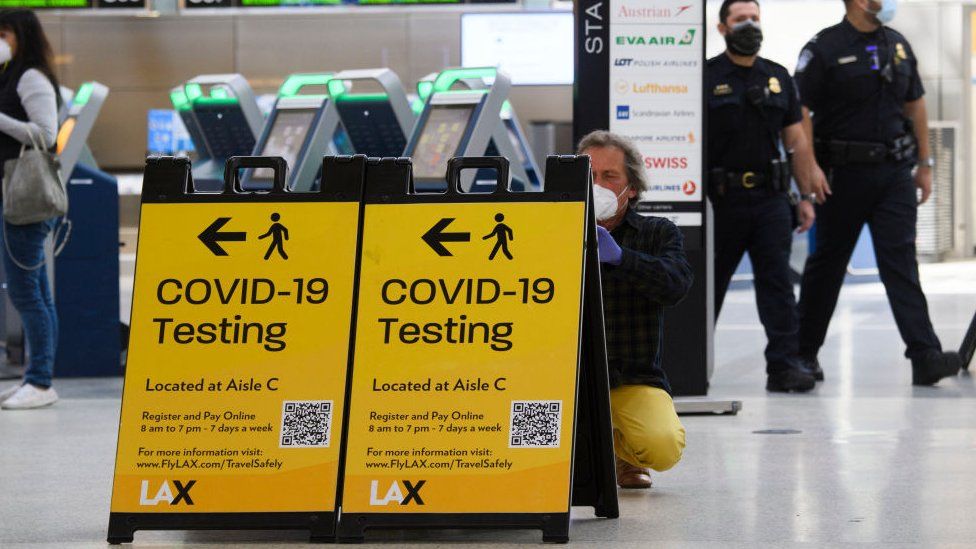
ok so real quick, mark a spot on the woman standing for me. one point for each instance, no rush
(28, 108)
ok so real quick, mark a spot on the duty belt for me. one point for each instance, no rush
(776, 178)
(836, 152)
(746, 180)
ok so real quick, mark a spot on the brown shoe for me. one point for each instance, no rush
(629, 476)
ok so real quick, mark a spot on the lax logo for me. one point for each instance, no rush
(165, 494)
(395, 495)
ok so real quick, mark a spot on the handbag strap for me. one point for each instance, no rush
(33, 140)
(63, 229)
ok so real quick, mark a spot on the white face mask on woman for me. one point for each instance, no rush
(6, 54)
(605, 203)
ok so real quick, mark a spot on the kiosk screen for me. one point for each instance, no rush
(286, 138)
(440, 139)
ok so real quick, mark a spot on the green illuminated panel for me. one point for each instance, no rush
(376, 2)
(84, 94)
(336, 88)
(447, 78)
(41, 4)
(424, 89)
(179, 99)
(218, 95)
(215, 101)
(285, 3)
(363, 97)
(193, 92)
(296, 82)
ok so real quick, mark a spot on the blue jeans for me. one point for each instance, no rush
(30, 293)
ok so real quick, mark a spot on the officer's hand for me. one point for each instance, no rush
(609, 250)
(819, 184)
(923, 180)
(806, 214)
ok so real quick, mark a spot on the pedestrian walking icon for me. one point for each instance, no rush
(503, 235)
(278, 234)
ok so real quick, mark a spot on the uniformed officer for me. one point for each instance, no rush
(754, 114)
(860, 80)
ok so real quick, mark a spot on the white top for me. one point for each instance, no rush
(37, 96)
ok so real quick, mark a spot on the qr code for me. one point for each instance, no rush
(535, 424)
(306, 423)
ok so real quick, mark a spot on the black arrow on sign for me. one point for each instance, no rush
(212, 235)
(435, 237)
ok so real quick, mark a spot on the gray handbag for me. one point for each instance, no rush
(33, 191)
(32, 187)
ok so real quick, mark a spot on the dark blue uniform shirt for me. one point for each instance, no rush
(857, 83)
(748, 107)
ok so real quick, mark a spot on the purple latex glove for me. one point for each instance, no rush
(610, 251)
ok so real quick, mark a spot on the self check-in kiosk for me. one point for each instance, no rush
(460, 123)
(229, 120)
(378, 122)
(301, 128)
(510, 129)
(504, 135)
(181, 104)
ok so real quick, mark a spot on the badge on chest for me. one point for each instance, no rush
(722, 89)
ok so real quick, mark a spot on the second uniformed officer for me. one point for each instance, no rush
(860, 79)
(754, 113)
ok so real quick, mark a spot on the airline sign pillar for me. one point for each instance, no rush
(639, 73)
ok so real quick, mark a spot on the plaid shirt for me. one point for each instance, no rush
(654, 273)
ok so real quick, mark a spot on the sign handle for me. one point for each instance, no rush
(232, 175)
(968, 347)
(457, 164)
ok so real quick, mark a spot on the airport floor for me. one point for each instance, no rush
(864, 459)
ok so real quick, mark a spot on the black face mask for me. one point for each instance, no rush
(744, 38)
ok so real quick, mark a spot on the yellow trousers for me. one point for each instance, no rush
(646, 429)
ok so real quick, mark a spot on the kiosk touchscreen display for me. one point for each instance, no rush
(440, 139)
(286, 138)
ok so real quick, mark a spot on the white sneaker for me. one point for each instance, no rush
(8, 392)
(28, 397)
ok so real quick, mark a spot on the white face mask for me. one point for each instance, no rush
(5, 53)
(605, 203)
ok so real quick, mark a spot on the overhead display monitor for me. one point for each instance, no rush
(286, 137)
(534, 49)
(439, 140)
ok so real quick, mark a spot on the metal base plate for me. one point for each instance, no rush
(686, 406)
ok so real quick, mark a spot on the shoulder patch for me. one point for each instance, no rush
(805, 57)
